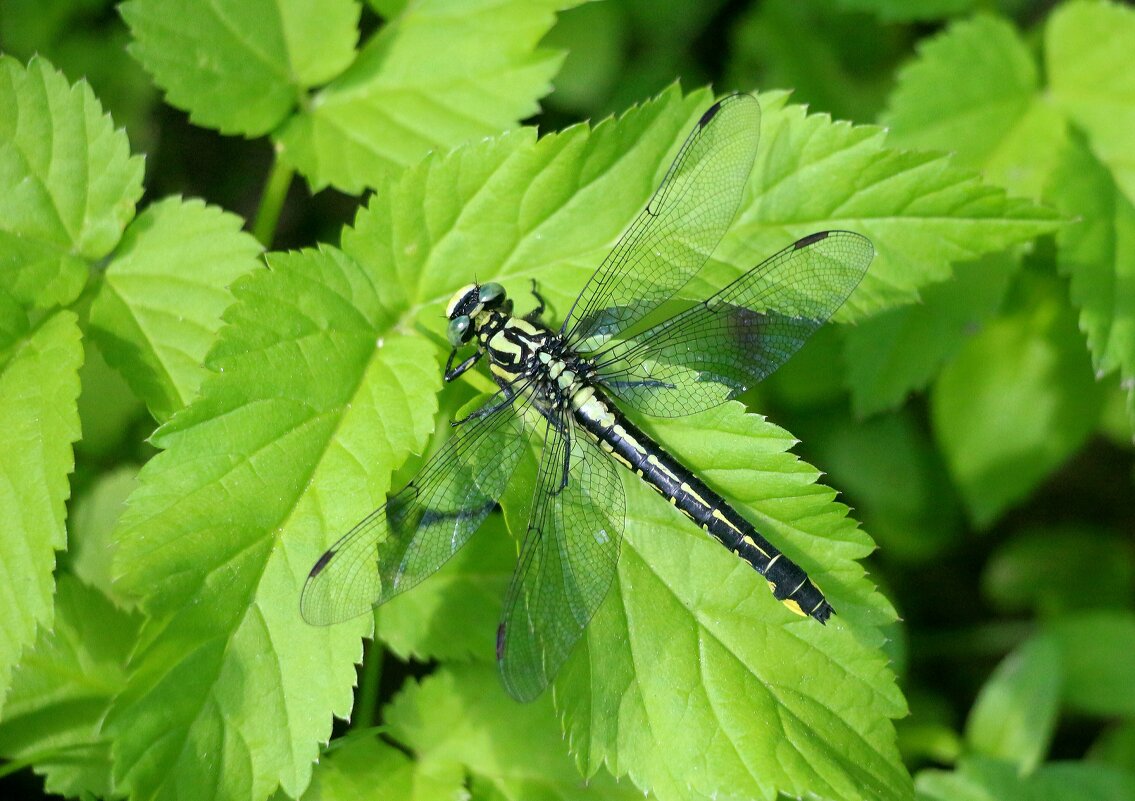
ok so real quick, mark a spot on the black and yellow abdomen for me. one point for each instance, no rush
(636, 451)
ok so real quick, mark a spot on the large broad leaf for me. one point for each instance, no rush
(68, 183)
(1088, 53)
(694, 679)
(39, 384)
(316, 398)
(326, 379)
(158, 309)
(62, 688)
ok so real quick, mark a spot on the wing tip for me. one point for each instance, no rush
(321, 563)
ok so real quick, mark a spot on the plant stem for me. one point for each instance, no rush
(272, 201)
(367, 700)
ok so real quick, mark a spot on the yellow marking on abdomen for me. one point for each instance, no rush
(717, 513)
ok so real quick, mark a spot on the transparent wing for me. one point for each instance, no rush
(422, 525)
(673, 237)
(567, 562)
(715, 350)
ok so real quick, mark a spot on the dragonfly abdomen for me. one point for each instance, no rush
(667, 476)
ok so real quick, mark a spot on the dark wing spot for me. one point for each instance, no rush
(500, 642)
(810, 238)
(321, 563)
(710, 113)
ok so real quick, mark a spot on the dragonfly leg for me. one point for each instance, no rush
(538, 312)
(507, 395)
(452, 372)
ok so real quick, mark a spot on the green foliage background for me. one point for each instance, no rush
(228, 229)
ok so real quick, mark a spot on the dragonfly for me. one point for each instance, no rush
(629, 341)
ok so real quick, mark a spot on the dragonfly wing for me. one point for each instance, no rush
(421, 526)
(567, 562)
(716, 349)
(674, 236)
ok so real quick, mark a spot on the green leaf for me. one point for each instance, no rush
(91, 546)
(1016, 402)
(693, 676)
(62, 688)
(39, 384)
(461, 716)
(158, 309)
(1095, 649)
(68, 183)
(983, 779)
(441, 73)
(1088, 51)
(370, 768)
(974, 91)
(314, 399)
(455, 614)
(1014, 715)
(1098, 252)
(1043, 569)
(241, 66)
(901, 350)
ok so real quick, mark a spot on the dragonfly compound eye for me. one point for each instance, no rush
(460, 330)
(491, 294)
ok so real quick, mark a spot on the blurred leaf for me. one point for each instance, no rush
(91, 546)
(455, 614)
(62, 688)
(1096, 649)
(443, 72)
(1015, 403)
(901, 350)
(241, 66)
(68, 183)
(39, 384)
(593, 37)
(1116, 747)
(1014, 715)
(892, 475)
(974, 90)
(1088, 52)
(370, 768)
(1043, 570)
(908, 10)
(461, 716)
(158, 309)
(690, 641)
(834, 61)
(309, 404)
(1098, 252)
(982, 779)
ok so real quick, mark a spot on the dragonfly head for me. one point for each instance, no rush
(466, 305)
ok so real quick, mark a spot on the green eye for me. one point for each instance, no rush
(460, 329)
(491, 294)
